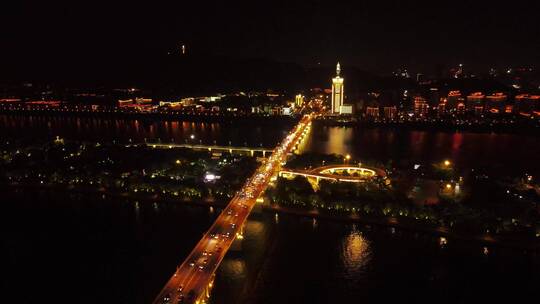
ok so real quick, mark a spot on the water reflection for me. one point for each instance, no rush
(508, 154)
(339, 140)
(137, 212)
(233, 268)
(105, 129)
(355, 251)
(254, 227)
(497, 152)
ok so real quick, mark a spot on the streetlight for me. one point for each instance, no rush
(347, 157)
(447, 163)
(192, 136)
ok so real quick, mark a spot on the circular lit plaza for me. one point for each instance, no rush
(340, 173)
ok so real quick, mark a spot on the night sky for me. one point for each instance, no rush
(373, 35)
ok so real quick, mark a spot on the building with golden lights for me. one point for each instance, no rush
(495, 103)
(421, 106)
(460, 108)
(526, 104)
(337, 91)
(372, 112)
(454, 97)
(476, 103)
(390, 113)
(441, 107)
(299, 100)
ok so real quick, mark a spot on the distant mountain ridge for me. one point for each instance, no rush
(175, 74)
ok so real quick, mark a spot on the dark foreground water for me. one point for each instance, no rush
(83, 249)
(344, 263)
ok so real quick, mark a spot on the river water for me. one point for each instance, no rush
(92, 249)
(499, 153)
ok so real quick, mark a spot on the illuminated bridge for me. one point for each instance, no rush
(193, 279)
(215, 148)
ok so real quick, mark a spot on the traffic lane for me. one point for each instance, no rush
(197, 278)
(185, 274)
(197, 274)
(175, 281)
(217, 256)
(203, 277)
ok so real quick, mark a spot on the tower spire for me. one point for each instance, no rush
(338, 69)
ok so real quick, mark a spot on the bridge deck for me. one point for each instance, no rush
(209, 147)
(326, 172)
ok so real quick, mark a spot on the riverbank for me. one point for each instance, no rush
(520, 126)
(393, 222)
(206, 202)
(486, 239)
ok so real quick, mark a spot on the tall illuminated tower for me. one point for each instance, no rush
(337, 91)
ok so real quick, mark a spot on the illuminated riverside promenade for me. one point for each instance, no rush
(193, 279)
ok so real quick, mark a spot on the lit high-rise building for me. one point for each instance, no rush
(442, 106)
(299, 100)
(421, 106)
(453, 100)
(390, 113)
(496, 103)
(372, 112)
(475, 102)
(528, 104)
(337, 91)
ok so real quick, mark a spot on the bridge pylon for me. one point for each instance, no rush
(238, 238)
(258, 206)
(205, 295)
